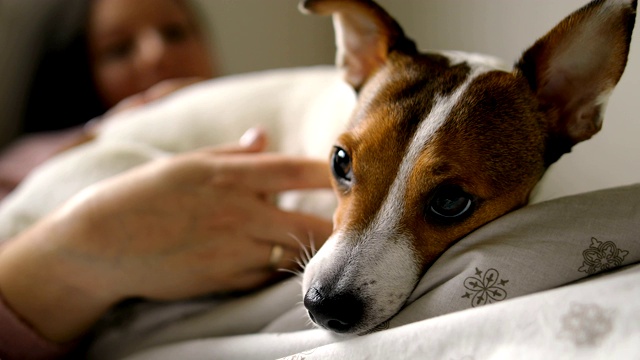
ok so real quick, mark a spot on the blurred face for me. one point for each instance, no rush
(134, 44)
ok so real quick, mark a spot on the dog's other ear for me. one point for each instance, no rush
(574, 68)
(365, 35)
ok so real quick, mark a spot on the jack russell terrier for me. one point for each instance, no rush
(441, 143)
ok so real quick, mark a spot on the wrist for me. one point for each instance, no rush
(57, 292)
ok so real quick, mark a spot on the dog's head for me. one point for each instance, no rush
(442, 143)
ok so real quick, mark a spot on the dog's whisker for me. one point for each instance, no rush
(297, 272)
(294, 272)
(306, 251)
(301, 263)
(312, 245)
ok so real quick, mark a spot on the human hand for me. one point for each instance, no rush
(196, 223)
(199, 222)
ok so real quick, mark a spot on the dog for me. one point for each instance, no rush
(441, 143)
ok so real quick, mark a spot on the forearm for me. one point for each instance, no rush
(59, 296)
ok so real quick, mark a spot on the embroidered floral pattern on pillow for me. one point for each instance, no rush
(601, 256)
(485, 289)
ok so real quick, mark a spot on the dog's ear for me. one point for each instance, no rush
(573, 69)
(365, 35)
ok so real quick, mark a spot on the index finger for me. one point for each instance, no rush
(268, 172)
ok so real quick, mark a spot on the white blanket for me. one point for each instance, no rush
(489, 296)
(593, 320)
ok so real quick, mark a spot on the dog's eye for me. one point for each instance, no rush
(451, 203)
(341, 165)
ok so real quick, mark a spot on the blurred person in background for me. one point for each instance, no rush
(126, 237)
(97, 57)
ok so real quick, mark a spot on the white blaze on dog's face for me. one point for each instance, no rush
(440, 144)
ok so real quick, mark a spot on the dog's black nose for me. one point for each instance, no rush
(340, 312)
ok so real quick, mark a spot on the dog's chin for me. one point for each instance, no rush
(364, 329)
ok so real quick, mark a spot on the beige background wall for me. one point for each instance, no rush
(259, 34)
(252, 35)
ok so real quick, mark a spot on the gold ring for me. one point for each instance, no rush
(275, 256)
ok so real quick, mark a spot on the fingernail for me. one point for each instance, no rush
(250, 137)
